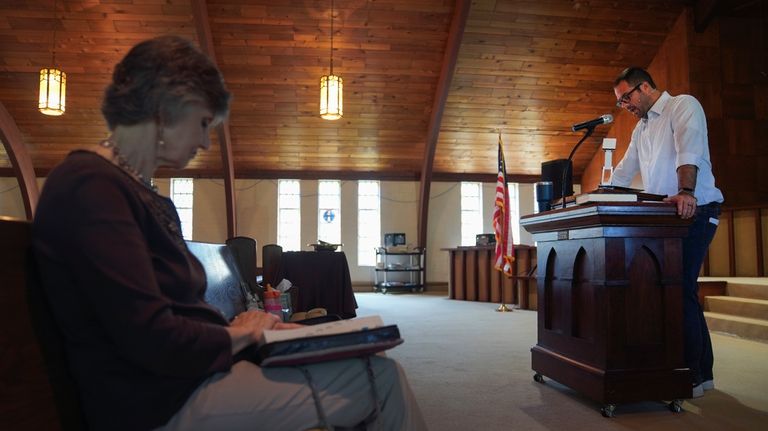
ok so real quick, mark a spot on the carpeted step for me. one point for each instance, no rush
(747, 290)
(743, 307)
(744, 327)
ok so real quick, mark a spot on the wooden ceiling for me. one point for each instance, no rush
(527, 68)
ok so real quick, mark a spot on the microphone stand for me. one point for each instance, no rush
(588, 132)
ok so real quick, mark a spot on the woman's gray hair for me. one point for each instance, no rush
(157, 78)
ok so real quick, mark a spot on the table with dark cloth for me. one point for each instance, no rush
(321, 279)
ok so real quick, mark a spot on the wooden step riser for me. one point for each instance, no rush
(737, 308)
(754, 291)
(740, 329)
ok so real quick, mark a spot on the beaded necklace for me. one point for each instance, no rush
(123, 164)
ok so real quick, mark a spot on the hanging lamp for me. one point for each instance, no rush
(331, 89)
(53, 83)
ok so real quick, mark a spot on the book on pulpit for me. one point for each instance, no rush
(606, 193)
(584, 198)
(325, 342)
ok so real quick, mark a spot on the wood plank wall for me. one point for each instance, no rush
(721, 68)
(717, 69)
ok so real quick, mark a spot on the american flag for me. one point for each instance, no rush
(505, 253)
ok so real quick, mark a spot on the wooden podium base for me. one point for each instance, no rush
(612, 386)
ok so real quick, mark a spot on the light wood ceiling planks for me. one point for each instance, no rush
(531, 69)
(527, 68)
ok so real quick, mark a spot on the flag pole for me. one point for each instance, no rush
(502, 308)
(504, 255)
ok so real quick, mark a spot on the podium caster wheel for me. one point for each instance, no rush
(538, 378)
(676, 406)
(608, 410)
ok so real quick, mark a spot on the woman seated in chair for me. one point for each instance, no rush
(144, 349)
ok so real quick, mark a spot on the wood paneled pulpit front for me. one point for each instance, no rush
(610, 322)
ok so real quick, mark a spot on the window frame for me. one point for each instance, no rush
(367, 243)
(289, 206)
(185, 212)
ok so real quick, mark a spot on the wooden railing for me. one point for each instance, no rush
(473, 277)
(738, 247)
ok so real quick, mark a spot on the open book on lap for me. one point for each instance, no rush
(325, 342)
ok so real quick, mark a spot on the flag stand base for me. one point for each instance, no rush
(503, 308)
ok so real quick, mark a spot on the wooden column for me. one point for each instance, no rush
(471, 270)
(484, 260)
(200, 12)
(441, 95)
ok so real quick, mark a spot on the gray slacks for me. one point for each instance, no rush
(252, 398)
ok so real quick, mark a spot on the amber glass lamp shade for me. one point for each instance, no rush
(331, 97)
(53, 91)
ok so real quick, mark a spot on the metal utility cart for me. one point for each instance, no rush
(400, 270)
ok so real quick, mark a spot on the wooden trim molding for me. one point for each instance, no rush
(731, 245)
(759, 237)
(263, 174)
(703, 12)
(21, 163)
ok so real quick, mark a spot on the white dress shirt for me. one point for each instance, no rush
(673, 134)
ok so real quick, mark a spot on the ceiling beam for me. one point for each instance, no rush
(204, 37)
(20, 161)
(450, 54)
(703, 12)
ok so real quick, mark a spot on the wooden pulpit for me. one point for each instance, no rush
(610, 322)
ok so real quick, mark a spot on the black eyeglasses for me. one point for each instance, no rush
(625, 97)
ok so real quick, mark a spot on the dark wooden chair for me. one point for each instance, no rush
(37, 391)
(244, 250)
(270, 255)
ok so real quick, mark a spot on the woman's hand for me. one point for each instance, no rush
(246, 328)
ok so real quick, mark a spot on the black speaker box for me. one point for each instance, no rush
(553, 171)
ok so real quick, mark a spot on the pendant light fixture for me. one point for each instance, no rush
(53, 82)
(331, 89)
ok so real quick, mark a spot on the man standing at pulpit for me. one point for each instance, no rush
(670, 150)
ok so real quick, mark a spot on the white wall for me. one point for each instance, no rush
(443, 228)
(526, 206)
(11, 204)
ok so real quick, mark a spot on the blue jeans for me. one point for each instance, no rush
(698, 345)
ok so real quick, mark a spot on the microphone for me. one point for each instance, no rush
(603, 119)
(590, 126)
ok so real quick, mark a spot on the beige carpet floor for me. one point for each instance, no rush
(470, 369)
